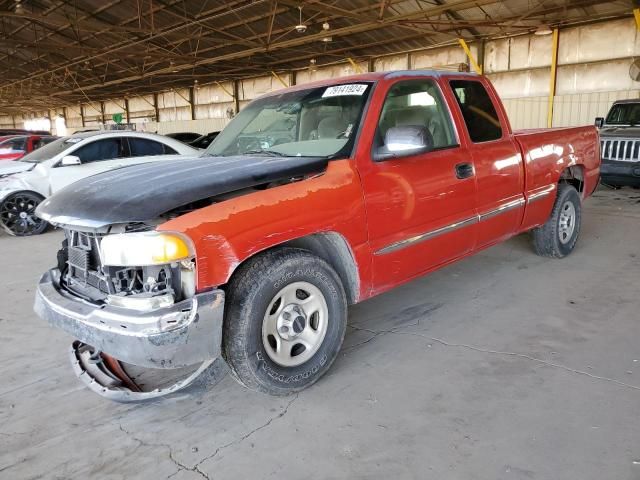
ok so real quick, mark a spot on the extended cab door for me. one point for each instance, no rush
(95, 157)
(496, 157)
(420, 206)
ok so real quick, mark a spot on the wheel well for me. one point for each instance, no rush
(334, 249)
(574, 176)
(32, 192)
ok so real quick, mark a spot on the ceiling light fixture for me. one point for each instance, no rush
(543, 30)
(301, 27)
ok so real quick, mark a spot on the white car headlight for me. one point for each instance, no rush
(145, 248)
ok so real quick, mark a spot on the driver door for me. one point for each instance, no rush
(420, 206)
(95, 157)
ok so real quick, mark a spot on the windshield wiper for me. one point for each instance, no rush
(271, 153)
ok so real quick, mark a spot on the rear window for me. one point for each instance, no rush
(478, 110)
(142, 147)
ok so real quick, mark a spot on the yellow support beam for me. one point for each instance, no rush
(636, 13)
(552, 79)
(355, 66)
(477, 68)
(279, 78)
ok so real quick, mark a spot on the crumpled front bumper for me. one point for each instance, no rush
(186, 333)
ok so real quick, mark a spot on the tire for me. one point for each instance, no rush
(285, 320)
(17, 214)
(558, 236)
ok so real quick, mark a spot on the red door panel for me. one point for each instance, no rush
(416, 208)
(419, 213)
(496, 157)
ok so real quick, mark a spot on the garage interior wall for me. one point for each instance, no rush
(592, 72)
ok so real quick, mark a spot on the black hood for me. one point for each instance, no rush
(620, 132)
(143, 192)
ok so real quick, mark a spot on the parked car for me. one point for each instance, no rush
(26, 182)
(204, 141)
(620, 144)
(13, 147)
(185, 137)
(254, 251)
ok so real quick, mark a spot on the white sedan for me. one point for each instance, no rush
(26, 182)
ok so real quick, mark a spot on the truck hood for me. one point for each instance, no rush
(620, 132)
(9, 167)
(140, 193)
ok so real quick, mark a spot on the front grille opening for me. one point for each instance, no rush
(621, 150)
(84, 275)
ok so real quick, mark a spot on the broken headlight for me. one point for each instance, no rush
(145, 248)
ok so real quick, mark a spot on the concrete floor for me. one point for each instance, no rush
(503, 366)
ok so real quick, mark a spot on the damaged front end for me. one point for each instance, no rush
(127, 295)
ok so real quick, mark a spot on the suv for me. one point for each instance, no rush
(620, 144)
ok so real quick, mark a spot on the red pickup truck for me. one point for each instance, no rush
(313, 198)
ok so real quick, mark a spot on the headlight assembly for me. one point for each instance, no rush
(145, 248)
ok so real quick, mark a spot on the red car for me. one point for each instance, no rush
(313, 198)
(14, 147)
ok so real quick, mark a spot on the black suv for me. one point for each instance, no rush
(620, 144)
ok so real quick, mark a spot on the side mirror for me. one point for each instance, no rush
(599, 122)
(404, 141)
(69, 160)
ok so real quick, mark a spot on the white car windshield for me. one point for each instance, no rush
(316, 122)
(50, 150)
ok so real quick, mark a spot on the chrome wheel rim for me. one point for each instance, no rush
(295, 324)
(567, 223)
(17, 214)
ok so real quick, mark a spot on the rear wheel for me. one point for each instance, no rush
(558, 236)
(284, 322)
(17, 214)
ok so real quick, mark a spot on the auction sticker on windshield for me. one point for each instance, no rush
(351, 89)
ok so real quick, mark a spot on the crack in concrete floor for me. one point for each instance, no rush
(378, 333)
(196, 467)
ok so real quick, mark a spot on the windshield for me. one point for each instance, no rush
(13, 145)
(50, 150)
(318, 122)
(624, 114)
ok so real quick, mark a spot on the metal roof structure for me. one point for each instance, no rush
(61, 52)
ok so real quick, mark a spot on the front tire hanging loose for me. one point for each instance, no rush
(285, 320)
(17, 214)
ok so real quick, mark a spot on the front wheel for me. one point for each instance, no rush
(558, 236)
(285, 321)
(17, 214)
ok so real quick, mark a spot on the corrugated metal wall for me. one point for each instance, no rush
(593, 71)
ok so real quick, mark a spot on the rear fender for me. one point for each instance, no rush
(552, 156)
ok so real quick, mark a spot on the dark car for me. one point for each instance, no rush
(204, 141)
(184, 137)
(620, 144)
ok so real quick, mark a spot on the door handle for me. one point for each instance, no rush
(464, 170)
